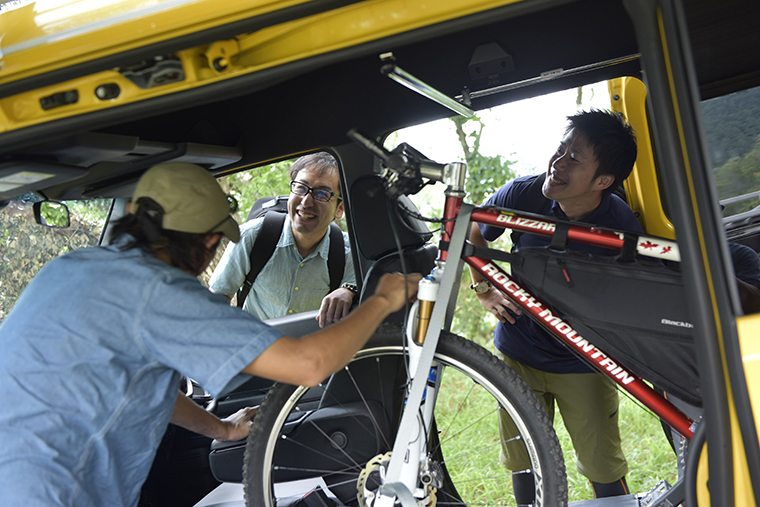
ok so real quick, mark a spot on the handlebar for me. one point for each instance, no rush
(406, 169)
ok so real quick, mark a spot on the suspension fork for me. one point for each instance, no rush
(403, 474)
(412, 470)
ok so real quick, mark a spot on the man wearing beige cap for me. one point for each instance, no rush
(92, 352)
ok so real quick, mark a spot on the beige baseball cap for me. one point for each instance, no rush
(191, 198)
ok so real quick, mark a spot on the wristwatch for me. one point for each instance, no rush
(350, 287)
(481, 287)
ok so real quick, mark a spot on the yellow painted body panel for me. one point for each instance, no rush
(628, 96)
(742, 480)
(743, 491)
(749, 331)
(748, 328)
(39, 39)
(247, 53)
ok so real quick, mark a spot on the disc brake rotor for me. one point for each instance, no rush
(372, 477)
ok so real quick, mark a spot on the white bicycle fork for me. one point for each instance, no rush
(405, 480)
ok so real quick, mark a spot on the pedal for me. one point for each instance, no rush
(652, 498)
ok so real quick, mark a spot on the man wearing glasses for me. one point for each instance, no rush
(295, 279)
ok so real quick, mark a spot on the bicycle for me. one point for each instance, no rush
(390, 442)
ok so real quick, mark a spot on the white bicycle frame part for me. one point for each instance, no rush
(403, 472)
(417, 326)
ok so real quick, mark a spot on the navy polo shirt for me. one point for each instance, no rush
(526, 341)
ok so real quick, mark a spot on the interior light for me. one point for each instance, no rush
(394, 72)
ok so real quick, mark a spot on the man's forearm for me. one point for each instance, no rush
(350, 334)
(228, 296)
(312, 358)
(187, 414)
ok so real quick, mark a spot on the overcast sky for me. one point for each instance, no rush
(526, 132)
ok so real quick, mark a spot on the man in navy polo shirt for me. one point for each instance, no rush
(595, 156)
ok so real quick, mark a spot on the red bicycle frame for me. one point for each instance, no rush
(540, 311)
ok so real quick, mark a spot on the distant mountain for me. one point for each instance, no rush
(732, 125)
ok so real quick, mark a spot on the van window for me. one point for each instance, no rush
(732, 129)
(499, 144)
(26, 246)
(249, 186)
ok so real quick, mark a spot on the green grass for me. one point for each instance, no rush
(472, 457)
(650, 457)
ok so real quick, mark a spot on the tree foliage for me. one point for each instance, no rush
(486, 174)
(26, 246)
(248, 186)
(732, 124)
(740, 175)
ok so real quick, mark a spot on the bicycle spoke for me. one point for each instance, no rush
(473, 386)
(470, 427)
(471, 452)
(366, 405)
(326, 473)
(315, 451)
(459, 408)
(486, 478)
(334, 444)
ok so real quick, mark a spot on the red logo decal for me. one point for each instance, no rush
(648, 244)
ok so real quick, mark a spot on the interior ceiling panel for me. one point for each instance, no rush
(314, 103)
(318, 108)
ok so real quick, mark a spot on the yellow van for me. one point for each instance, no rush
(94, 93)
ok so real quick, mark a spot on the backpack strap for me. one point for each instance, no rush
(336, 257)
(262, 250)
(532, 201)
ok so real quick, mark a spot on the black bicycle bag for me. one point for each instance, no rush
(634, 311)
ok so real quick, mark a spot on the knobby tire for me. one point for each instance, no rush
(335, 437)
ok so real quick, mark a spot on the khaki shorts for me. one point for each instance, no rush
(588, 404)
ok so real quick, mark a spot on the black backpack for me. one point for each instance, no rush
(266, 242)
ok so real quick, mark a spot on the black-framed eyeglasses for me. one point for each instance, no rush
(319, 194)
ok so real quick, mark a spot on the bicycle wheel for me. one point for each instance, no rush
(342, 442)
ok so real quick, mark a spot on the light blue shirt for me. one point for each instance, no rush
(287, 283)
(90, 363)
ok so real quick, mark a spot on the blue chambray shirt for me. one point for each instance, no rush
(287, 283)
(90, 363)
